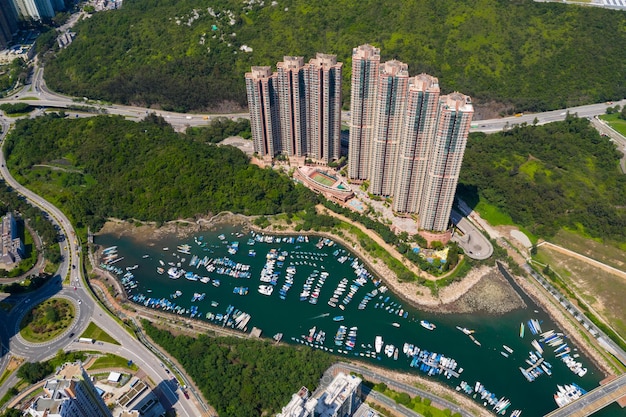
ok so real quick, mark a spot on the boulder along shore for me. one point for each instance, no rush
(482, 290)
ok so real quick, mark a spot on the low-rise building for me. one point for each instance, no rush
(12, 249)
(139, 400)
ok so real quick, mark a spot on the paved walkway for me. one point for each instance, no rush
(376, 238)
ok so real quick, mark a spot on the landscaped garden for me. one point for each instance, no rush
(47, 320)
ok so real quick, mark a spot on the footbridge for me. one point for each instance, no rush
(594, 400)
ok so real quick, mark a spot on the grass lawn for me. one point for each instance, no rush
(609, 254)
(423, 407)
(47, 320)
(112, 361)
(602, 290)
(95, 332)
(615, 122)
(493, 215)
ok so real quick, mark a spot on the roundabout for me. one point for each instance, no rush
(47, 320)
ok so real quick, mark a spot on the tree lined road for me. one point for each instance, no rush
(38, 90)
(86, 308)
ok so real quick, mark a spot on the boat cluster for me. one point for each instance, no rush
(166, 304)
(110, 255)
(567, 393)
(554, 340)
(394, 307)
(489, 399)
(233, 318)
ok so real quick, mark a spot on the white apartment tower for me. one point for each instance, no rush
(413, 158)
(446, 157)
(69, 394)
(365, 70)
(393, 83)
(296, 111)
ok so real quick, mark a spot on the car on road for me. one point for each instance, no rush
(186, 394)
(80, 301)
(70, 335)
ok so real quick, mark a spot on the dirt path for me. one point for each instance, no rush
(584, 258)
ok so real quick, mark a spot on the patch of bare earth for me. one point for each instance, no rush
(598, 287)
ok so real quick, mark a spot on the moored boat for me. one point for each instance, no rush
(427, 325)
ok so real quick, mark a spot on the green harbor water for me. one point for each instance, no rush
(383, 315)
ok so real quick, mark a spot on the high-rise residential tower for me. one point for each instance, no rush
(446, 157)
(393, 83)
(406, 139)
(365, 70)
(296, 111)
(34, 9)
(8, 23)
(413, 157)
(263, 106)
(323, 92)
(290, 77)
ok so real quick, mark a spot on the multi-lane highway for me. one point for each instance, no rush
(44, 97)
(86, 309)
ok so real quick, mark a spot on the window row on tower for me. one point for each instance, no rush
(296, 111)
(406, 139)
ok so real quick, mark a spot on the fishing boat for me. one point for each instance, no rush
(394, 324)
(338, 318)
(427, 325)
(508, 349)
(521, 330)
(160, 270)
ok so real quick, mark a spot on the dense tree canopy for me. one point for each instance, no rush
(550, 176)
(109, 167)
(523, 54)
(244, 377)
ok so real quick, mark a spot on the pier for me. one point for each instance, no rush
(535, 365)
(597, 399)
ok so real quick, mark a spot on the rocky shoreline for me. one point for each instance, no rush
(482, 290)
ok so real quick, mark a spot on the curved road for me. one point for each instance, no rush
(45, 98)
(87, 309)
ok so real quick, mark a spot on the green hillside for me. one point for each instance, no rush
(562, 174)
(102, 167)
(185, 54)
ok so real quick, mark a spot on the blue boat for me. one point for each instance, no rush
(338, 318)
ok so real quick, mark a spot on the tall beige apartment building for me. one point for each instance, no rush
(406, 139)
(296, 111)
(413, 158)
(446, 157)
(364, 83)
(263, 106)
(393, 82)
